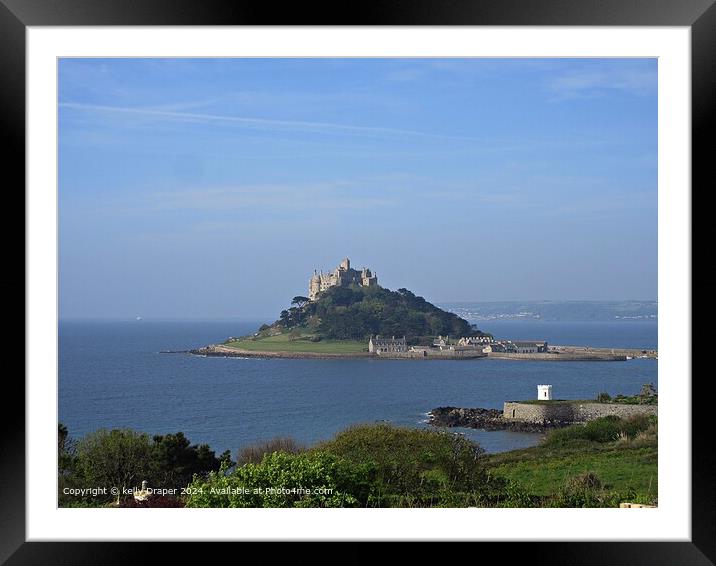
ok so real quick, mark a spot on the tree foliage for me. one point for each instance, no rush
(314, 479)
(66, 450)
(119, 458)
(175, 460)
(417, 467)
(254, 453)
(123, 458)
(355, 313)
(299, 301)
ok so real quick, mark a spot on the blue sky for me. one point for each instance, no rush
(211, 188)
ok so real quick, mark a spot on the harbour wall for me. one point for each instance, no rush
(560, 357)
(558, 411)
(434, 354)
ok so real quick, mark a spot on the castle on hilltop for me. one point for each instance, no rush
(341, 276)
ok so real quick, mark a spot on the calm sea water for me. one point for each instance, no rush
(111, 375)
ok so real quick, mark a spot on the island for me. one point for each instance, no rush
(347, 314)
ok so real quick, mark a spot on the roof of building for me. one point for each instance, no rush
(387, 340)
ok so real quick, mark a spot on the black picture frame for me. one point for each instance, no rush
(698, 15)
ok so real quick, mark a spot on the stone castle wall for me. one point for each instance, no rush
(557, 411)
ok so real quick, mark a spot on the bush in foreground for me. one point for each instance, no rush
(418, 467)
(587, 490)
(605, 429)
(315, 479)
(122, 459)
(254, 453)
(372, 465)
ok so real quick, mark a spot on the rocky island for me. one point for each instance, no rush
(347, 314)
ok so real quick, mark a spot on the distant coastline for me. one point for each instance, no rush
(547, 311)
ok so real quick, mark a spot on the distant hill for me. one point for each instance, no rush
(556, 310)
(356, 313)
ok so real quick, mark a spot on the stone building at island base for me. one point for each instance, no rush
(392, 345)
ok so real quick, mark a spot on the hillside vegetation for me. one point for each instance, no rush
(608, 462)
(601, 464)
(356, 313)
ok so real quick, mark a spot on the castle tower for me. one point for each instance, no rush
(368, 279)
(345, 264)
(314, 286)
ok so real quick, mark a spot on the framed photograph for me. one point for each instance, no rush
(421, 275)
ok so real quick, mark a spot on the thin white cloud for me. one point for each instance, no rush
(261, 123)
(266, 197)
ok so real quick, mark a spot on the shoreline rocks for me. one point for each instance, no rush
(486, 419)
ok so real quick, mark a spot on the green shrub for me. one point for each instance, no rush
(583, 490)
(117, 458)
(315, 479)
(123, 458)
(175, 460)
(587, 490)
(417, 467)
(254, 453)
(604, 429)
(516, 496)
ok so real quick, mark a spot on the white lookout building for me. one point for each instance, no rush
(544, 392)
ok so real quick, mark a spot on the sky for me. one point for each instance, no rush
(212, 188)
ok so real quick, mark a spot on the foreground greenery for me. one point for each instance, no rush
(600, 464)
(373, 465)
(621, 453)
(123, 458)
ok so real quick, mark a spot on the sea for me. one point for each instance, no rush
(112, 375)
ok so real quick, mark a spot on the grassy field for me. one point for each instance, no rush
(282, 343)
(621, 466)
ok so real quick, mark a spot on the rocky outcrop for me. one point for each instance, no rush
(487, 419)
